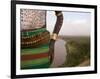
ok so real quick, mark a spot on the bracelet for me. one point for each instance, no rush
(59, 14)
(54, 36)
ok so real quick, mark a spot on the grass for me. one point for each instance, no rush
(78, 50)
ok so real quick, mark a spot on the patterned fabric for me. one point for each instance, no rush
(33, 58)
(32, 19)
(34, 38)
(35, 49)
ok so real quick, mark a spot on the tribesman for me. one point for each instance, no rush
(37, 45)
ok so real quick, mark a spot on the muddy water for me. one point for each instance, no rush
(60, 53)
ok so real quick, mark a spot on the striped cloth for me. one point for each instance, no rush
(35, 57)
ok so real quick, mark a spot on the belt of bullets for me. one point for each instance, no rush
(35, 40)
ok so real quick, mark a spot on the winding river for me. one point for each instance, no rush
(59, 53)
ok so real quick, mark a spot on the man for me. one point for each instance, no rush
(37, 47)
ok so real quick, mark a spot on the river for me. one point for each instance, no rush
(59, 53)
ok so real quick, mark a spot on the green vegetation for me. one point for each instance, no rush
(78, 50)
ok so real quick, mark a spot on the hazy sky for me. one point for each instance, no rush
(74, 23)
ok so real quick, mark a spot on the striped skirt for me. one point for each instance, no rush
(35, 49)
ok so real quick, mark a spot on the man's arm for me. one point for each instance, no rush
(59, 22)
(56, 30)
(58, 25)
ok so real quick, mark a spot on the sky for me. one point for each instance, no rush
(74, 23)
